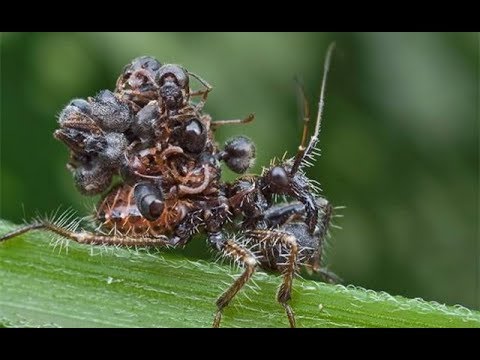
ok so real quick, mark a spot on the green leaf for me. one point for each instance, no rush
(82, 286)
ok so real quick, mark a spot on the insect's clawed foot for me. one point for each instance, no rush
(217, 319)
(290, 315)
(283, 297)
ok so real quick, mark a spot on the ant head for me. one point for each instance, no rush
(137, 81)
(173, 81)
(77, 111)
(92, 178)
(279, 179)
(76, 125)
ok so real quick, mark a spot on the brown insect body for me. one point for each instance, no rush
(118, 212)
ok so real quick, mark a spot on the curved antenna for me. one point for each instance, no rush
(200, 80)
(302, 150)
(204, 92)
(306, 114)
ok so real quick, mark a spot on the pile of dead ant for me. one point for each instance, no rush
(152, 134)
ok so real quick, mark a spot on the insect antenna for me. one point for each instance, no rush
(306, 120)
(304, 151)
(207, 86)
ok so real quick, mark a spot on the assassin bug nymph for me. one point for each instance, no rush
(272, 236)
(279, 237)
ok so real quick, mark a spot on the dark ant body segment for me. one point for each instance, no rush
(110, 113)
(191, 135)
(92, 179)
(161, 144)
(82, 106)
(143, 124)
(174, 86)
(238, 154)
(149, 200)
(137, 83)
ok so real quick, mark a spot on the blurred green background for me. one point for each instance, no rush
(399, 138)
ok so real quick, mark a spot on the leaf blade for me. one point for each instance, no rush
(98, 287)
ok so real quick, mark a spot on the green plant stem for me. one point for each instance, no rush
(41, 285)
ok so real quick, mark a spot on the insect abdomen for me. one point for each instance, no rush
(118, 212)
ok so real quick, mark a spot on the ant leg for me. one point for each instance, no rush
(199, 106)
(270, 238)
(197, 92)
(84, 237)
(244, 257)
(329, 276)
(215, 124)
(204, 92)
(201, 103)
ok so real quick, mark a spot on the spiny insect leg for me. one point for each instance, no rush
(21, 231)
(271, 238)
(245, 258)
(85, 237)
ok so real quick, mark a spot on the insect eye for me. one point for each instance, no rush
(279, 176)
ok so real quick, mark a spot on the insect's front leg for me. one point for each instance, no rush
(269, 239)
(280, 214)
(241, 255)
(311, 208)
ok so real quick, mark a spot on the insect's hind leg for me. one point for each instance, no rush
(270, 238)
(85, 237)
(241, 255)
